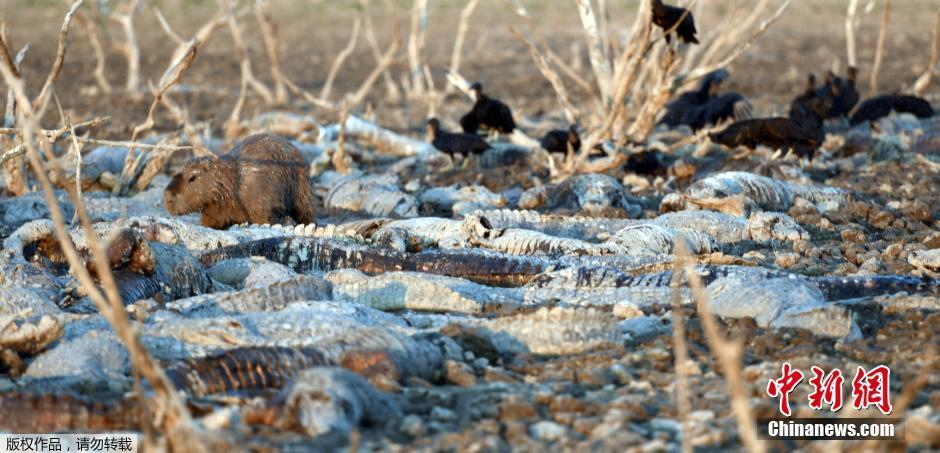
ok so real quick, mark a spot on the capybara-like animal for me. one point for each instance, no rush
(263, 179)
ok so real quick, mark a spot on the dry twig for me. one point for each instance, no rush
(269, 33)
(879, 51)
(462, 28)
(728, 354)
(682, 363)
(91, 29)
(851, 23)
(419, 25)
(340, 59)
(248, 77)
(129, 48)
(933, 68)
(180, 62)
(171, 413)
(600, 59)
(392, 92)
(571, 113)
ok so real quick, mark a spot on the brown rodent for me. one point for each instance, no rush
(263, 179)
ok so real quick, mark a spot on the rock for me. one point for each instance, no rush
(459, 373)
(925, 259)
(443, 414)
(413, 426)
(548, 430)
(932, 241)
(786, 259)
(853, 236)
(517, 410)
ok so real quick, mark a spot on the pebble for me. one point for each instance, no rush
(413, 426)
(853, 236)
(932, 241)
(459, 373)
(786, 259)
(443, 414)
(548, 430)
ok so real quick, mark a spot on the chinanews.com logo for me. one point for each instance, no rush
(870, 389)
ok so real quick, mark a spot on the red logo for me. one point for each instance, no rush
(871, 388)
(827, 388)
(782, 387)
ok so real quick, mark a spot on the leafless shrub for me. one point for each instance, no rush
(171, 414)
(129, 47)
(879, 51)
(933, 68)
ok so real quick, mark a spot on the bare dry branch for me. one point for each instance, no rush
(51, 135)
(15, 170)
(129, 48)
(571, 113)
(392, 92)
(381, 66)
(94, 39)
(728, 354)
(59, 56)
(269, 33)
(879, 51)
(933, 68)
(681, 363)
(462, 28)
(340, 59)
(166, 27)
(419, 24)
(568, 69)
(172, 414)
(180, 62)
(239, 41)
(851, 23)
(600, 60)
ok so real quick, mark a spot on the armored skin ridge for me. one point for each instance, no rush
(46, 413)
(305, 254)
(243, 369)
(833, 287)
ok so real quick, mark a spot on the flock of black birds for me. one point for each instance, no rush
(801, 131)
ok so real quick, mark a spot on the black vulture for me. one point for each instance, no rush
(665, 17)
(873, 108)
(802, 132)
(557, 140)
(701, 107)
(487, 113)
(455, 143)
(798, 103)
(649, 162)
(842, 93)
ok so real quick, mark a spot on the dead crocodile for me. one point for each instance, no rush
(65, 413)
(592, 193)
(315, 254)
(763, 193)
(833, 287)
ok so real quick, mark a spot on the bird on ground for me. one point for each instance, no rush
(557, 140)
(877, 107)
(842, 93)
(455, 142)
(802, 132)
(666, 17)
(487, 113)
(704, 106)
